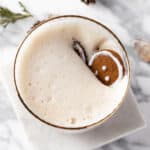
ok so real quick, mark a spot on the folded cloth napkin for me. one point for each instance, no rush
(40, 136)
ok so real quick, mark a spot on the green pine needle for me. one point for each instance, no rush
(7, 16)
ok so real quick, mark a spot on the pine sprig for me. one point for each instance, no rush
(7, 16)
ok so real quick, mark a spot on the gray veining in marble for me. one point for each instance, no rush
(132, 16)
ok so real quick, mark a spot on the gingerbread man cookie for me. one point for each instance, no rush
(107, 66)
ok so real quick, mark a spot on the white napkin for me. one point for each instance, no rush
(41, 137)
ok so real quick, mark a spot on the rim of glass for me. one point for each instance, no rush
(101, 121)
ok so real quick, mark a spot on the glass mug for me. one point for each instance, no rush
(124, 56)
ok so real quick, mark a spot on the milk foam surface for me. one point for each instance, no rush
(54, 81)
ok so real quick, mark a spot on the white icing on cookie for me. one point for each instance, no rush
(104, 67)
(107, 78)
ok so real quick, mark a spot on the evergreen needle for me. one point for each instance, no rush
(7, 16)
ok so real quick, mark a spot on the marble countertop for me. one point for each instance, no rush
(130, 20)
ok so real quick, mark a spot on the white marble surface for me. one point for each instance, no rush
(129, 19)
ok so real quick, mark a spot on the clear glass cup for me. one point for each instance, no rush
(124, 57)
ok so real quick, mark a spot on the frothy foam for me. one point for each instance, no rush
(55, 83)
